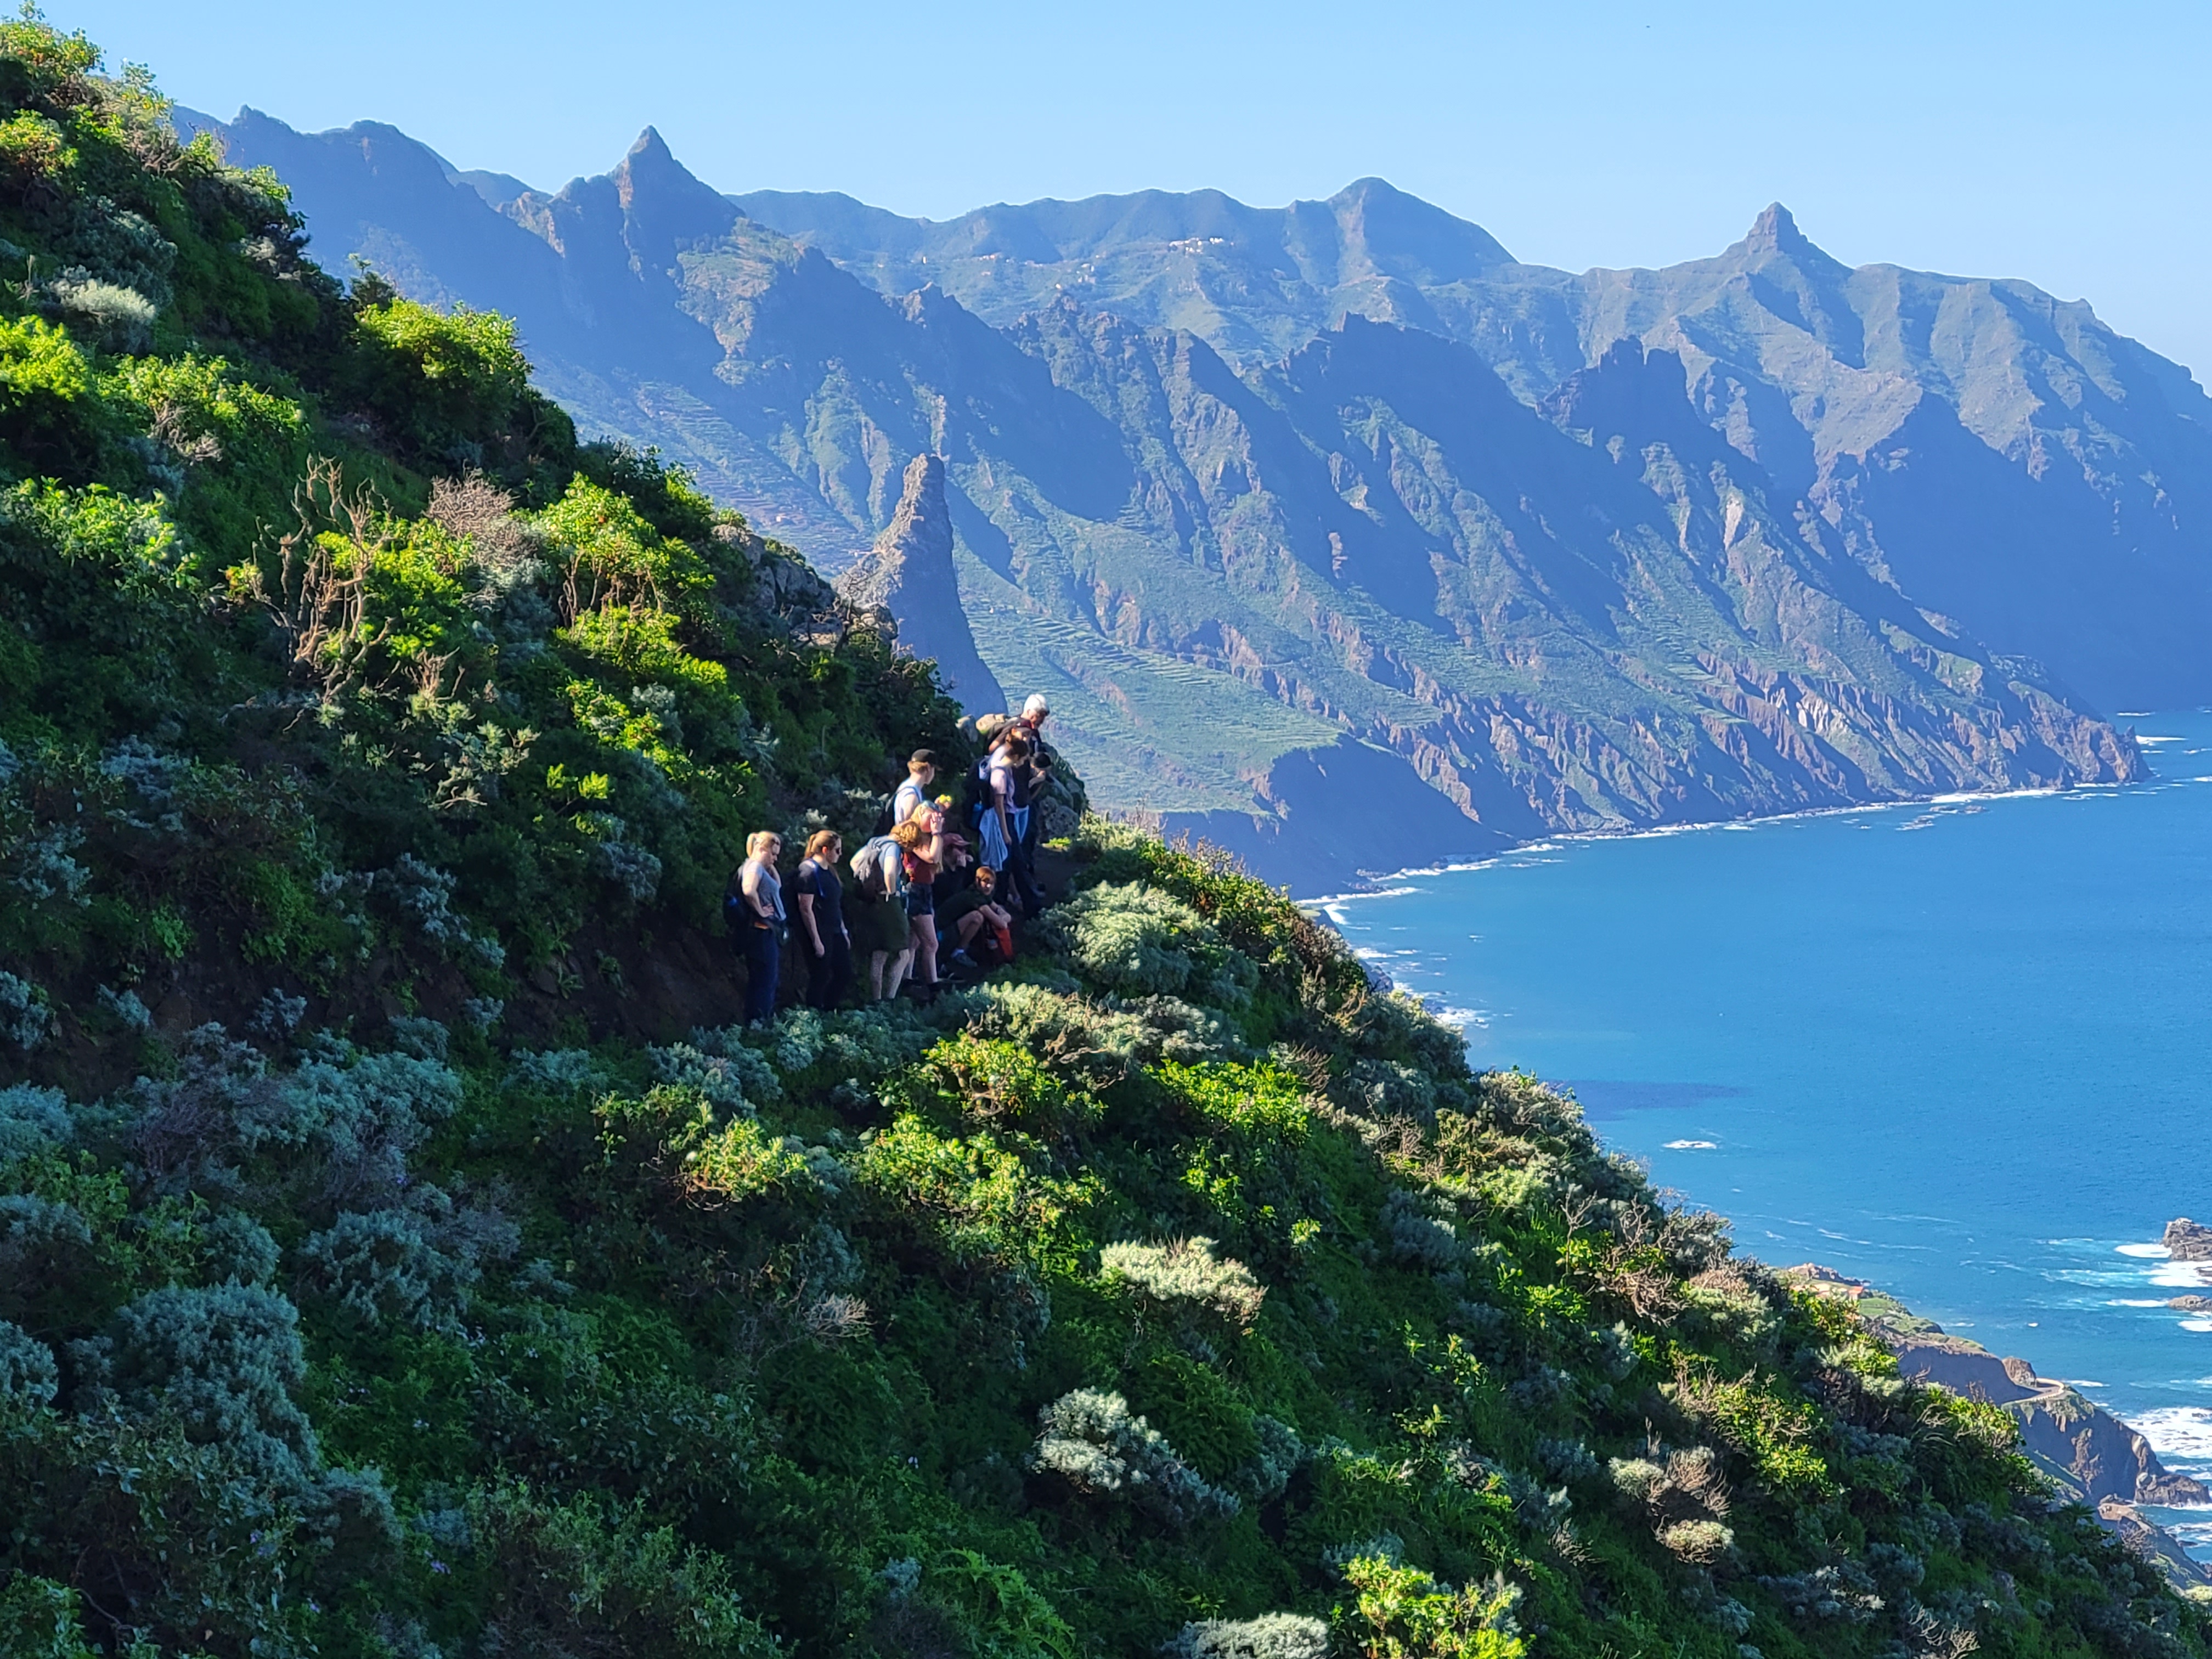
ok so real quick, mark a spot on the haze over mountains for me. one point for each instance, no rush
(1334, 531)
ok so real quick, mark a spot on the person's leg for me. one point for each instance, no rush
(1025, 884)
(896, 976)
(925, 948)
(839, 957)
(762, 956)
(817, 972)
(967, 927)
(877, 961)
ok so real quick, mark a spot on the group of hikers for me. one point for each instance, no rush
(934, 893)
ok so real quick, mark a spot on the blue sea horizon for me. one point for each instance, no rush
(1957, 1049)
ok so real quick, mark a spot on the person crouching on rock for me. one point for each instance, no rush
(982, 929)
(753, 907)
(821, 899)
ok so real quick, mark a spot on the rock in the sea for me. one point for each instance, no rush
(2188, 1241)
(2201, 1304)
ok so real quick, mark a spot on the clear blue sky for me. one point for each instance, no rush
(2068, 144)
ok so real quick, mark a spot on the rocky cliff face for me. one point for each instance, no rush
(2007, 457)
(908, 576)
(1505, 602)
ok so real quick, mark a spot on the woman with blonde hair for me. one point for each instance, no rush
(753, 909)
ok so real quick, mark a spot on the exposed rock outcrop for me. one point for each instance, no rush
(908, 574)
(2188, 1241)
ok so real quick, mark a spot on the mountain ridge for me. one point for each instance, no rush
(1600, 635)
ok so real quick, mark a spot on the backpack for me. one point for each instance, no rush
(868, 873)
(883, 820)
(976, 800)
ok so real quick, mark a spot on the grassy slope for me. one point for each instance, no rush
(366, 1290)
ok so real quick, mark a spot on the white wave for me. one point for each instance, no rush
(2181, 1431)
(2197, 1324)
(1463, 1018)
(2183, 1275)
(1692, 1146)
(2131, 1302)
(2158, 1251)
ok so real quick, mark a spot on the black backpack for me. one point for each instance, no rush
(883, 815)
(977, 798)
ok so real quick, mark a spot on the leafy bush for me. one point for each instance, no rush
(569, 1577)
(383, 1263)
(1404, 1612)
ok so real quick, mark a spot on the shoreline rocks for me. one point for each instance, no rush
(2188, 1241)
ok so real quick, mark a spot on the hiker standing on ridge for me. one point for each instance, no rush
(821, 899)
(913, 793)
(879, 921)
(1006, 814)
(753, 909)
(922, 839)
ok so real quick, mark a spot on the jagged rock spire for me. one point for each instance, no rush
(908, 572)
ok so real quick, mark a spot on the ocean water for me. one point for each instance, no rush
(1962, 1050)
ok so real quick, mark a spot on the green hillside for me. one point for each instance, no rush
(401, 1254)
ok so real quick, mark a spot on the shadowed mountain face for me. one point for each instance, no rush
(1491, 552)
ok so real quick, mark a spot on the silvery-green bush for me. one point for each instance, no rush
(1185, 1274)
(235, 1247)
(32, 1120)
(44, 1243)
(734, 1065)
(380, 1264)
(342, 1123)
(28, 1376)
(719, 1078)
(1138, 941)
(1090, 1439)
(24, 1016)
(1419, 1236)
(1269, 1469)
(1112, 1035)
(225, 1362)
(1271, 1636)
(555, 1070)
